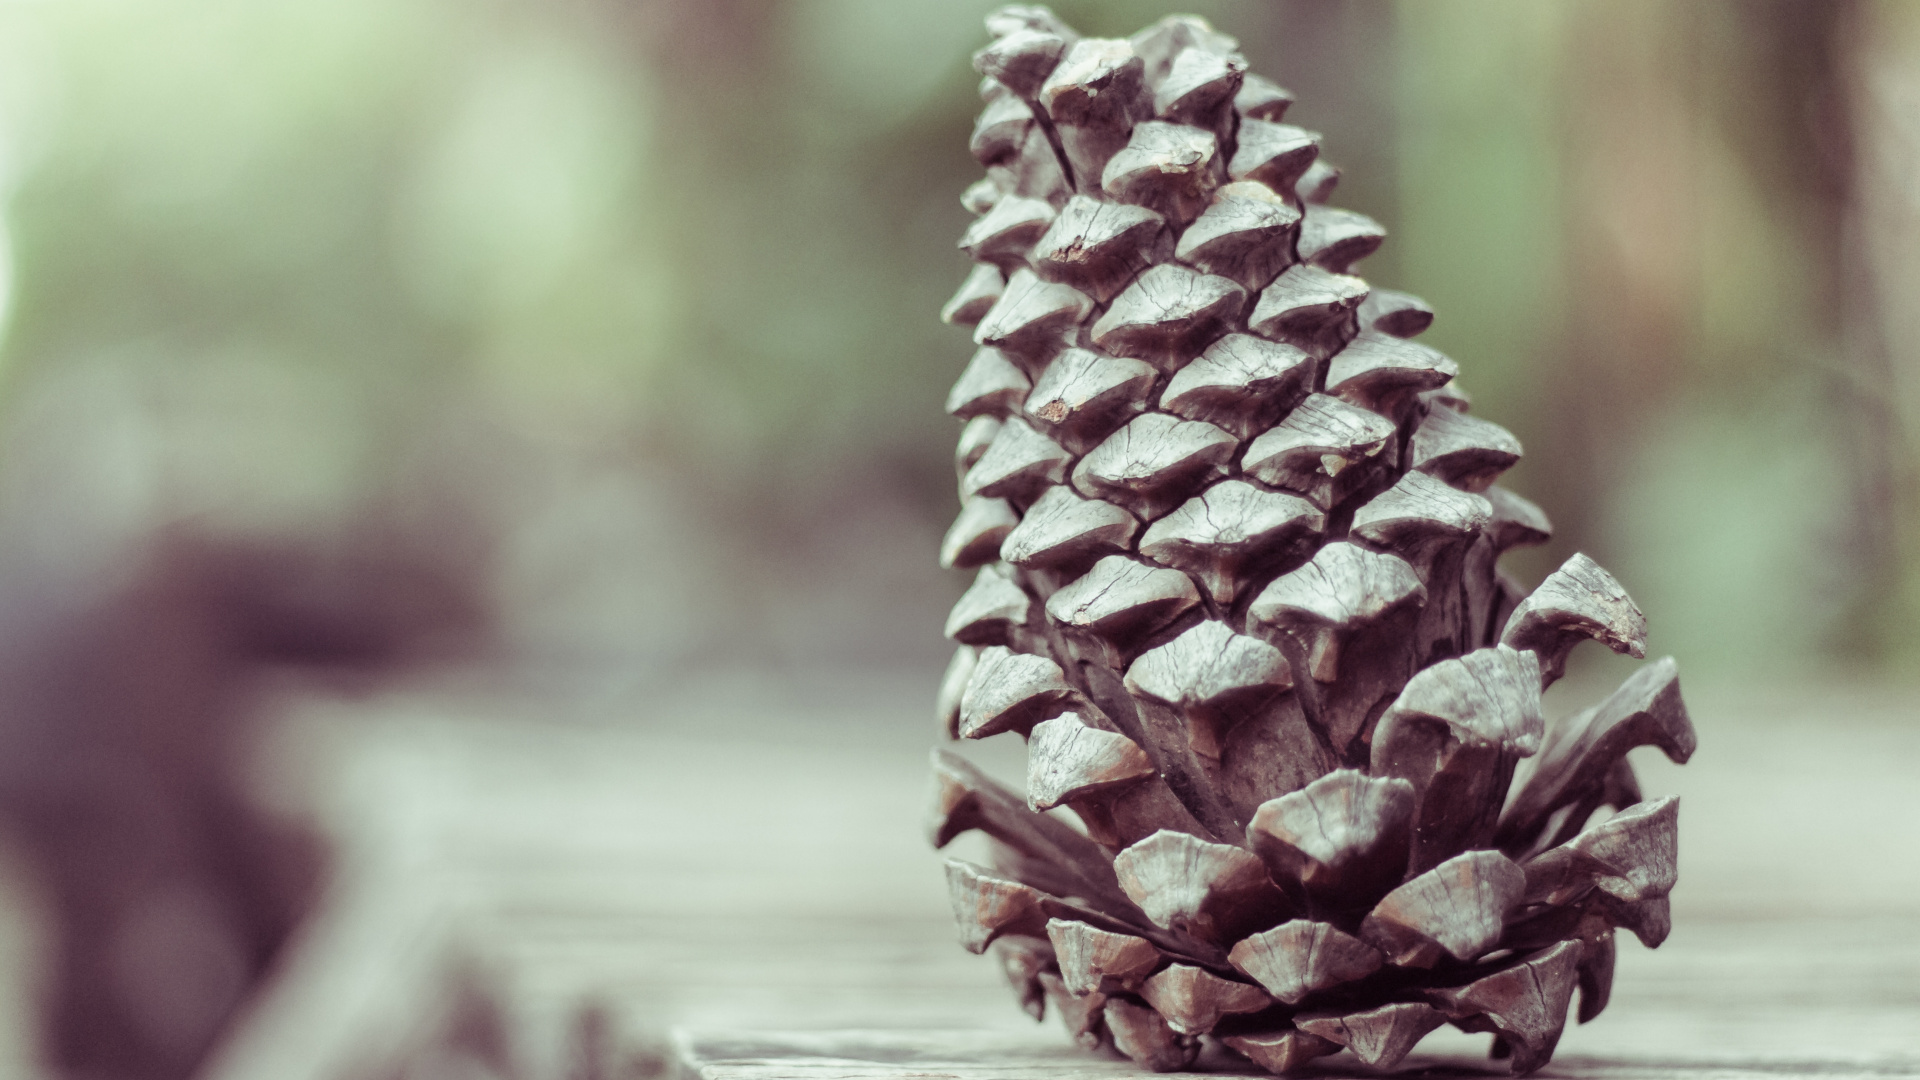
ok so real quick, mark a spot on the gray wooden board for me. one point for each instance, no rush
(990, 1055)
(747, 854)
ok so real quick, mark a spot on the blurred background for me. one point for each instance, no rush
(573, 366)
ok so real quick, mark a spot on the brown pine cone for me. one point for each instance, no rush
(1237, 541)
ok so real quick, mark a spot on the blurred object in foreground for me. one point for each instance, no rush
(140, 600)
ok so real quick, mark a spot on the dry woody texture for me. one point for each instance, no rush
(1236, 539)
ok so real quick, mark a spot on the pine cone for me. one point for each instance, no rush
(1237, 553)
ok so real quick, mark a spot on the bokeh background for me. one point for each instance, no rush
(586, 351)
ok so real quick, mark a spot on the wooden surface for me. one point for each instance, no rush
(969, 1055)
(548, 886)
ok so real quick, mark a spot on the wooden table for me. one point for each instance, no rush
(545, 887)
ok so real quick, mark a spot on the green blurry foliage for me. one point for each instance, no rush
(710, 239)
(406, 199)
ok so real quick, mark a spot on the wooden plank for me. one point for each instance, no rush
(600, 882)
(967, 1055)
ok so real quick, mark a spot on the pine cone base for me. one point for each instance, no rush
(1236, 539)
